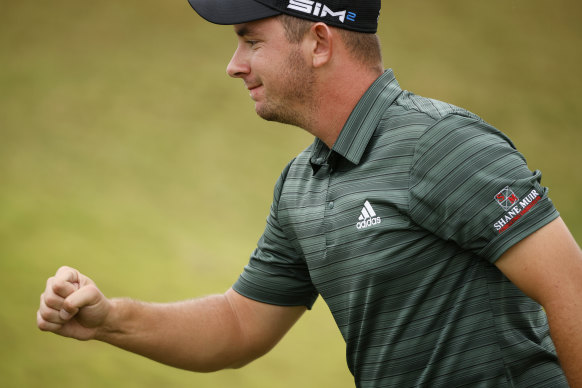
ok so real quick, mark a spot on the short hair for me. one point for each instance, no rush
(363, 46)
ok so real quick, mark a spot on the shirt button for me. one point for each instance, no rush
(330, 205)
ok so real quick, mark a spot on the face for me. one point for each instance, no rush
(275, 72)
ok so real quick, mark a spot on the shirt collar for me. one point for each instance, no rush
(360, 126)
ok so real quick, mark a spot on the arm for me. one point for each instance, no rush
(207, 334)
(547, 266)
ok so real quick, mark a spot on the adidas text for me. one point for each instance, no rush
(369, 222)
(367, 217)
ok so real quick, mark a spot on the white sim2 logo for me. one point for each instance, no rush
(321, 10)
(368, 217)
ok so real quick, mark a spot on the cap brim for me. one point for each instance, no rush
(232, 11)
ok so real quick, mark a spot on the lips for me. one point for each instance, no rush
(253, 90)
(251, 87)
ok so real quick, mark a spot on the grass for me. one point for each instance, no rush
(127, 152)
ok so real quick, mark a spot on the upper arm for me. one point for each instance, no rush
(546, 266)
(261, 325)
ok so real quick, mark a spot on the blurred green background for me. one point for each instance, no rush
(126, 151)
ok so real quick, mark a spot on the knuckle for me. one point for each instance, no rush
(50, 281)
(62, 288)
(40, 323)
(46, 326)
(92, 289)
(64, 268)
(70, 307)
(64, 272)
(42, 300)
(43, 327)
(45, 315)
(58, 286)
(53, 301)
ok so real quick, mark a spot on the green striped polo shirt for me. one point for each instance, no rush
(397, 227)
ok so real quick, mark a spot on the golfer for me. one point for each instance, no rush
(439, 253)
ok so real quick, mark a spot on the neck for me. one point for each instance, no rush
(338, 94)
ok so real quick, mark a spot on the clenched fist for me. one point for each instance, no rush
(72, 306)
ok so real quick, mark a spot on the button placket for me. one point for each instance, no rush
(329, 207)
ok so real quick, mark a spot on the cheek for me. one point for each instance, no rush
(270, 61)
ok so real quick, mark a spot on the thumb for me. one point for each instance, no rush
(88, 297)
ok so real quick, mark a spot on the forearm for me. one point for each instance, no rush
(200, 335)
(565, 331)
(207, 334)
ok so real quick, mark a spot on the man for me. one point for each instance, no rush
(417, 222)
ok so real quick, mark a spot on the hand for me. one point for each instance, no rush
(72, 305)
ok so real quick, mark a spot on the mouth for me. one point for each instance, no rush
(252, 87)
(253, 90)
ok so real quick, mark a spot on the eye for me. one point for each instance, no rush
(251, 42)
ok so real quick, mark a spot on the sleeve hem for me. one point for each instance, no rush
(263, 298)
(493, 251)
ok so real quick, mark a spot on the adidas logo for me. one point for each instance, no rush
(368, 217)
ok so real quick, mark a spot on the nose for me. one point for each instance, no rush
(238, 66)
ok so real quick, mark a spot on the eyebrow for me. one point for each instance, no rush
(242, 30)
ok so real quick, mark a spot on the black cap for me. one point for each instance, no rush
(356, 15)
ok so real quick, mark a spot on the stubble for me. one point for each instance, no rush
(293, 100)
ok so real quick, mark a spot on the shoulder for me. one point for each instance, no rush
(432, 108)
(415, 117)
(458, 138)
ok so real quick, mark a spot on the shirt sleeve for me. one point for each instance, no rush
(276, 273)
(470, 185)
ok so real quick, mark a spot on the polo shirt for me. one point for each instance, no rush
(398, 227)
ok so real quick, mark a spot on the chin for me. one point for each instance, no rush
(264, 112)
(278, 113)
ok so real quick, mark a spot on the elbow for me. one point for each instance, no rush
(239, 364)
(247, 357)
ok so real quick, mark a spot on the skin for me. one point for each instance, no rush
(547, 266)
(296, 94)
(281, 80)
(203, 335)
(292, 83)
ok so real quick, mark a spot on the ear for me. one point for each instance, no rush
(321, 47)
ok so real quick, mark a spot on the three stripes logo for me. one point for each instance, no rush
(367, 217)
